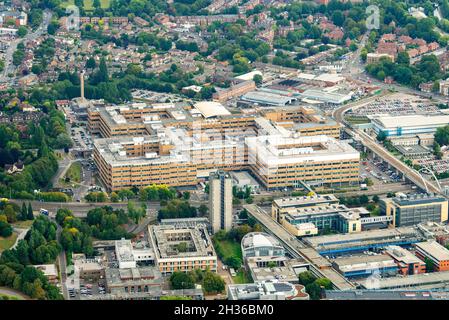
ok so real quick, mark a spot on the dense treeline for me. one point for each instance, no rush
(427, 69)
(33, 147)
(38, 247)
(210, 281)
(177, 209)
(10, 213)
(101, 223)
(118, 88)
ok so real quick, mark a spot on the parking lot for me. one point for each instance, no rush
(378, 172)
(80, 138)
(398, 104)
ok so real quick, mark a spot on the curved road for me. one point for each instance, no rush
(370, 143)
(9, 66)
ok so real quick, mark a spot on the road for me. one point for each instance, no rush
(63, 165)
(319, 265)
(22, 233)
(379, 150)
(9, 66)
(80, 209)
(62, 263)
(12, 292)
(151, 217)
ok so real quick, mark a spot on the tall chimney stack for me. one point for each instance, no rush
(82, 85)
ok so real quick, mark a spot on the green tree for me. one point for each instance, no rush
(306, 278)
(30, 215)
(314, 291)
(437, 150)
(442, 136)
(5, 229)
(90, 63)
(181, 280)
(381, 136)
(22, 31)
(202, 210)
(233, 262)
(258, 79)
(403, 58)
(430, 267)
(23, 212)
(213, 283)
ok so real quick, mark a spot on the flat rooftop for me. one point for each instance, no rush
(284, 270)
(267, 98)
(133, 276)
(361, 236)
(386, 295)
(402, 255)
(167, 239)
(276, 150)
(364, 262)
(414, 280)
(434, 249)
(411, 120)
(305, 200)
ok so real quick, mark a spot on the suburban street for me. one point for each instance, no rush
(10, 68)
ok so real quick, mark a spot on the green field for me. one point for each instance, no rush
(9, 297)
(74, 172)
(88, 4)
(6, 243)
(242, 277)
(231, 248)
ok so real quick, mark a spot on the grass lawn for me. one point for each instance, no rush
(74, 172)
(6, 243)
(9, 297)
(231, 248)
(105, 4)
(67, 3)
(357, 120)
(23, 224)
(88, 4)
(242, 277)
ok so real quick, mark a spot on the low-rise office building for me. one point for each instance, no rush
(275, 268)
(435, 252)
(408, 210)
(128, 257)
(421, 281)
(260, 244)
(179, 144)
(49, 271)
(364, 265)
(269, 290)
(234, 91)
(363, 241)
(407, 262)
(182, 248)
(408, 124)
(177, 159)
(308, 215)
(133, 280)
(386, 295)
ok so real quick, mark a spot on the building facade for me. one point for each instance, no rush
(182, 249)
(414, 209)
(220, 201)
